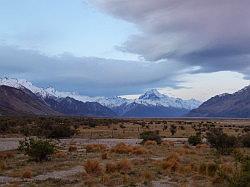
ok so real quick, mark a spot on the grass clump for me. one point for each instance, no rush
(93, 167)
(150, 143)
(27, 173)
(123, 148)
(96, 148)
(172, 162)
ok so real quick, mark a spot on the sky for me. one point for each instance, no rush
(188, 49)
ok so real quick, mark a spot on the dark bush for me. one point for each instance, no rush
(194, 140)
(222, 142)
(245, 140)
(150, 135)
(37, 149)
(173, 129)
(61, 131)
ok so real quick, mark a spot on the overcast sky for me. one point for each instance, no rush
(189, 49)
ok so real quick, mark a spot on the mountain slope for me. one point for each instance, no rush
(150, 104)
(140, 110)
(236, 105)
(15, 101)
(154, 98)
(70, 106)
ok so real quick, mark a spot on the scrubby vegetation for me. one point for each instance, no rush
(87, 158)
(245, 139)
(150, 135)
(37, 149)
(194, 139)
(223, 143)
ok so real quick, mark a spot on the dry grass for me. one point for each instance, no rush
(184, 151)
(227, 168)
(147, 176)
(167, 143)
(122, 148)
(60, 154)
(72, 148)
(202, 146)
(139, 150)
(3, 165)
(104, 155)
(96, 148)
(110, 167)
(124, 165)
(150, 143)
(93, 167)
(185, 169)
(6, 155)
(172, 162)
(27, 173)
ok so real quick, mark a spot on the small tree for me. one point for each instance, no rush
(173, 129)
(37, 149)
(222, 142)
(194, 139)
(150, 135)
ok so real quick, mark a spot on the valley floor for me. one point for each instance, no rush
(111, 155)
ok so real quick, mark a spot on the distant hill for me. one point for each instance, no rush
(236, 105)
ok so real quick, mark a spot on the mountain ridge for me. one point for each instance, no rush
(150, 104)
(235, 105)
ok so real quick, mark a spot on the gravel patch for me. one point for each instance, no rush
(60, 174)
(12, 143)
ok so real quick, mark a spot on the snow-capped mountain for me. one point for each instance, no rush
(112, 102)
(151, 101)
(42, 92)
(155, 98)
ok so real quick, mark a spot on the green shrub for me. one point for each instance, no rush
(222, 142)
(194, 140)
(37, 149)
(150, 135)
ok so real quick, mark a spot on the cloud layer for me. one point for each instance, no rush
(212, 35)
(89, 76)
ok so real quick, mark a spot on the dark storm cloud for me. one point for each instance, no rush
(90, 76)
(211, 34)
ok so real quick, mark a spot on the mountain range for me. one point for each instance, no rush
(17, 93)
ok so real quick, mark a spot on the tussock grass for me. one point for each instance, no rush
(93, 167)
(96, 148)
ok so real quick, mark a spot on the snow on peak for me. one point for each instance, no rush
(150, 98)
(11, 82)
(152, 95)
(112, 102)
(155, 98)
